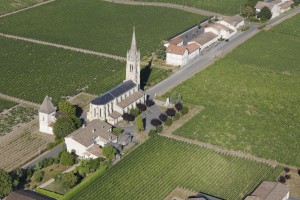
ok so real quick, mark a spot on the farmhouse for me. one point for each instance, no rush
(268, 190)
(180, 55)
(111, 105)
(277, 7)
(232, 22)
(206, 39)
(47, 116)
(220, 30)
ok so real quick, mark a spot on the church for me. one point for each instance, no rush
(111, 105)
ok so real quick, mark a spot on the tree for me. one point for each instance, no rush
(287, 176)
(248, 11)
(69, 180)
(155, 122)
(170, 112)
(175, 98)
(67, 108)
(168, 121)
(117, 130)
(176, 116)
(163, 117)
(5, 183)
(38, 176)
(286, 169)
(139, 123)
(67, 159)
(109, 152)
(265, 14)
(141, 107)
(178, 106)
(63, 127)
(152, 133)
(149, 102)
(282, 179)
(135, 112)
(128, 117)
(159, 128)
(184, 110)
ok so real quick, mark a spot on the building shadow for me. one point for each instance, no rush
(145, 74)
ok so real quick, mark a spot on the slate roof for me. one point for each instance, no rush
(114, 93)
(95, 128)
(268, 190)
(27, 195)
(47, 106)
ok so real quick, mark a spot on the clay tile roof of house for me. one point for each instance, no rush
(47, 106)
(176, 41)
(205, 37)
(95, 150)
(233, 20)
(286, 5)
(192, 47)
(173, 49)
(268, 190)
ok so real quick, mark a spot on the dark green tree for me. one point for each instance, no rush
(109, 152)
(38, 176)
(248, 11)
(67, 108)
(5, 184)
(69, 180)
(66, 158)
(63, 127)
(265, 14)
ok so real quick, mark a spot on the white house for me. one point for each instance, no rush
(275, 10)
(268, 190)
(285, 5)
(176, 55)
(232, 22)
(111, 105)
(47, 116)
(193, 50)
(206, 39)
(86, 142)
(220, 30)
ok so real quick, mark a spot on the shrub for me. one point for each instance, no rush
(168, 121)
(109, 152)
(67, 108)
(149, 102)
(286, 169)
(141, 107)
(184, 110)
(176, 116)
(63, 127)
(155, 122)
(38, 176)
(69, 180)
(139, 123)
(170, 112)
(6, 184)
(282, 179)
(152, 133)
(67, 159)
(117, 130)
(159, 128)
(135, 112)
(163, 117)
(178, 106)
(287, 177)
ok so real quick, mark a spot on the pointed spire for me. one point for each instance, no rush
(133, 42)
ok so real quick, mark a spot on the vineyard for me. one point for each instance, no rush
(6, 104)
(95, 25)
(229, 7)
(15, 116)
(251, 100)
(21, 145)
(12, 5)
(161, 164)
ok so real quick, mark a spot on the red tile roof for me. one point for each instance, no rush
(173, 49)
(176, 41)
(192, 47)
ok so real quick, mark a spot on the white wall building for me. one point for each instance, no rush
(232, 22)
(47, 116)
(176, 55)
(193, 50)
(111, 105)
(206, 39)
(222, 31)
(275, 10)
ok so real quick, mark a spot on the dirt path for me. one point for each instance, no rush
(64, 47)
(36, 5)
(20, 101)
(167, 5)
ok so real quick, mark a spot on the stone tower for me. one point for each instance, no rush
(133, 62)
(47, 116)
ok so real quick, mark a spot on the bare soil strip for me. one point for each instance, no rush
(20, 101)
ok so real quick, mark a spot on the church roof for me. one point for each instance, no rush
(47, 106)
(114, 93)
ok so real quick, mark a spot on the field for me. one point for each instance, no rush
(160, 165)
(251, 97)
(95, 25)
(4, 104)
(39, 70)
(228, 7)
(7, 6)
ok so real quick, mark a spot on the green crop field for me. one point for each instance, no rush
(30, 71)
(228, 7)
(4, 104)
(161, 164)
(251, 97)
(7, 6)
(98, 25)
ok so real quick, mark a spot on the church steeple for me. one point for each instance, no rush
(133, 62)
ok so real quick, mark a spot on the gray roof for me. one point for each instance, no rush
(114, 93)
(95, 128)
(233, 20)
(27, 195)
(268, 190)
(124, 138)
(204, 38)
(47, 106)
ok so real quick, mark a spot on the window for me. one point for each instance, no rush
(100, 112)
(94, 112)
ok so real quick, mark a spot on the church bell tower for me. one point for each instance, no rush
(133, 62)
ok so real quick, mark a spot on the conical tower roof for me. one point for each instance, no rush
(47, 106)
(133, 41)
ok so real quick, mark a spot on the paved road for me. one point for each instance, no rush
(168, 5)
(208, 58)
(282, 17)
(48, 154)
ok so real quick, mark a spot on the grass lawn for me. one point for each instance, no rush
(31, 71)
(251, 97)
(228, 7)
(7, 6)
(4, 104)
(161, 164)
(95, 25)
